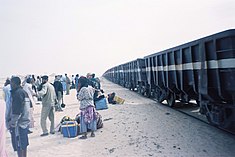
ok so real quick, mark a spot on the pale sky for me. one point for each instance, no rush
(80, 36)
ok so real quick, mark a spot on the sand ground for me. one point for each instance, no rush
(139, 127)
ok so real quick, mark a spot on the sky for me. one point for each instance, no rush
(80, 36)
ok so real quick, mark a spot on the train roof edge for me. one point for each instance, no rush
(228, 32)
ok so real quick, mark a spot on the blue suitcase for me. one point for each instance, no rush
(69, 129)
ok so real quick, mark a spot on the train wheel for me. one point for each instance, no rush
(171, 99)
(148, 93)
(142, 90)
(139, 89)
(160, 95)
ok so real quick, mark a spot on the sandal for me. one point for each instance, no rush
(92, 134)
(83, 137)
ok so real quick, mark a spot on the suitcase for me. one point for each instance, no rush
(69, 129)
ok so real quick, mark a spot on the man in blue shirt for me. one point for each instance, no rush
(19, 118)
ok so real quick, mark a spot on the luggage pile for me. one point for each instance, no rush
(70, 128)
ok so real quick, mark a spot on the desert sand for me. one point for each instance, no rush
(139, 127)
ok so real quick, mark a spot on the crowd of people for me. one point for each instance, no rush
(21, 96)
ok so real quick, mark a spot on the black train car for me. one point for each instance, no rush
(141, 77)
(115, 75)
(202, 70)
(135, 74)
(131, 75)
(109, 74)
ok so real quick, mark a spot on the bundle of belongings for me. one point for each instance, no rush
(71, 127)
(98, 118)
(100, 100)
(110, 98)
(113, 99)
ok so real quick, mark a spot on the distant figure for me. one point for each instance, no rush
(33, 81)
(63, 81)
(3, 152)
(20, 121)
(76, 81)
(67, 84)
(59, 92)
(48, 100)
(38, 82)
(87, 118)
(89, 77)
(24, 80)
(92, 81)
(96, 82)
(72, 82)
(7, 98)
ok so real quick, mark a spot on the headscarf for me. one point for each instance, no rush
(83, 81)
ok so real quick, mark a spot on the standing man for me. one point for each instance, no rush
(48, 101)
(67, 84)
(59, 92)
(19, 118)
(38, 82)
(63, 81)
(76, 81)
(72, 82)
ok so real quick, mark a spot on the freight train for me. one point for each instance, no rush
(202, 70)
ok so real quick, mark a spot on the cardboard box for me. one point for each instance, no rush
(119, 100)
